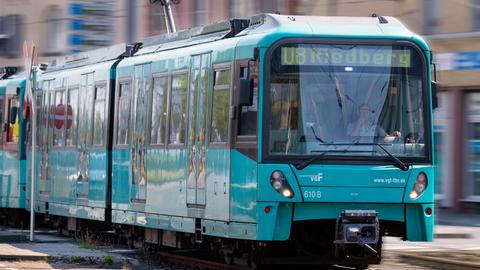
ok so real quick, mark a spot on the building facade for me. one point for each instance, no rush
(66, 26)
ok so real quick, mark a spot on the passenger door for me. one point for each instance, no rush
(2, 140)
(138, 193)
(44, 145)
(196, 185)
(84, 135)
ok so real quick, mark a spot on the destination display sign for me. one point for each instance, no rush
(311, 55)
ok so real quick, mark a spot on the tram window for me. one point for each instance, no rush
(39, 116)
(247, 122)
(220, 106)
(123, 120)
(12, 126)
(159, 110)
(58, 115)
(99, 115)
(178, 110)
(71, 117)
(43, 126)
(284, 108)
(2, 107)
(51, 112)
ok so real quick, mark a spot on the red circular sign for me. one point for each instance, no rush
(69, 116)
(59, 116)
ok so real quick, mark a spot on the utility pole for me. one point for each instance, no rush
(167, 10)
(28, 57)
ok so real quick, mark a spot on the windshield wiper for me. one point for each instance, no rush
(398, 163)
(307, 162)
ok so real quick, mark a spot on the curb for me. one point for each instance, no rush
(454, 236)
(439, 263)
(6, 257)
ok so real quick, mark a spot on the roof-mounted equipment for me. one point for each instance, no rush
(381, 19)
(195, 35)
(94, 56)
(6, 72)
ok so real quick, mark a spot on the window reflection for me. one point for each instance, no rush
(329, 98)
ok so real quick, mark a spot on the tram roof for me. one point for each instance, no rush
(328, 25)
(9, 85)
(264, 24)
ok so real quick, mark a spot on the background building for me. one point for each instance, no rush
(451, 26)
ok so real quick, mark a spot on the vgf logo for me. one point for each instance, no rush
(314, 177)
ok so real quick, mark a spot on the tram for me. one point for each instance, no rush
(309, 137)
(12, 139)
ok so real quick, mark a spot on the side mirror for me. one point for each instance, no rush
(246, 92)
(13, 114)
(434, 95)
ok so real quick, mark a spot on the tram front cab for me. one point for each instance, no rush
(347, 143)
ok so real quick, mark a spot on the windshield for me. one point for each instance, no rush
(339, 98)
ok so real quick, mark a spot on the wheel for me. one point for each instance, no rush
(228, 258)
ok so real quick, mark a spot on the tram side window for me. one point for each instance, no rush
(178, 110)
(71, 117)
(43, 115)
(58, 119)
(99, 115)
(51, 113)
(159, 110)
(220, 106)
(2, 107)
(12, 126)
(40, 116)
(247, 122)
(124, 113)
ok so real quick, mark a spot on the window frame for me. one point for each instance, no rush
(168, 76)
(169, 112)
(75, 114)
(243, 141)
(44, 127)
(126, 81)
(425, 67)
(92, 117)
(61, 90)
(223, 87)
(468, 191)
(2, 120)
(40, 116)
(11, 146)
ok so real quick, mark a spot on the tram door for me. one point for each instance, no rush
(142, 91)
(84, 134)
(196, 185)
(46, 130)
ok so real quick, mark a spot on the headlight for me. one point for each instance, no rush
(419, 186)
(280, 184)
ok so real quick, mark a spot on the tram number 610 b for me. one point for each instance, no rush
(312, 194)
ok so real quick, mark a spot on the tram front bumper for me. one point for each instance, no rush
(415, 218)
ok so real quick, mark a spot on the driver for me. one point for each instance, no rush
(365, 126)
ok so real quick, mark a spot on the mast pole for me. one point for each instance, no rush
(170, 22)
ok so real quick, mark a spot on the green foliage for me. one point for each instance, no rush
(78, 259)
(107, 260)
(86, 240)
